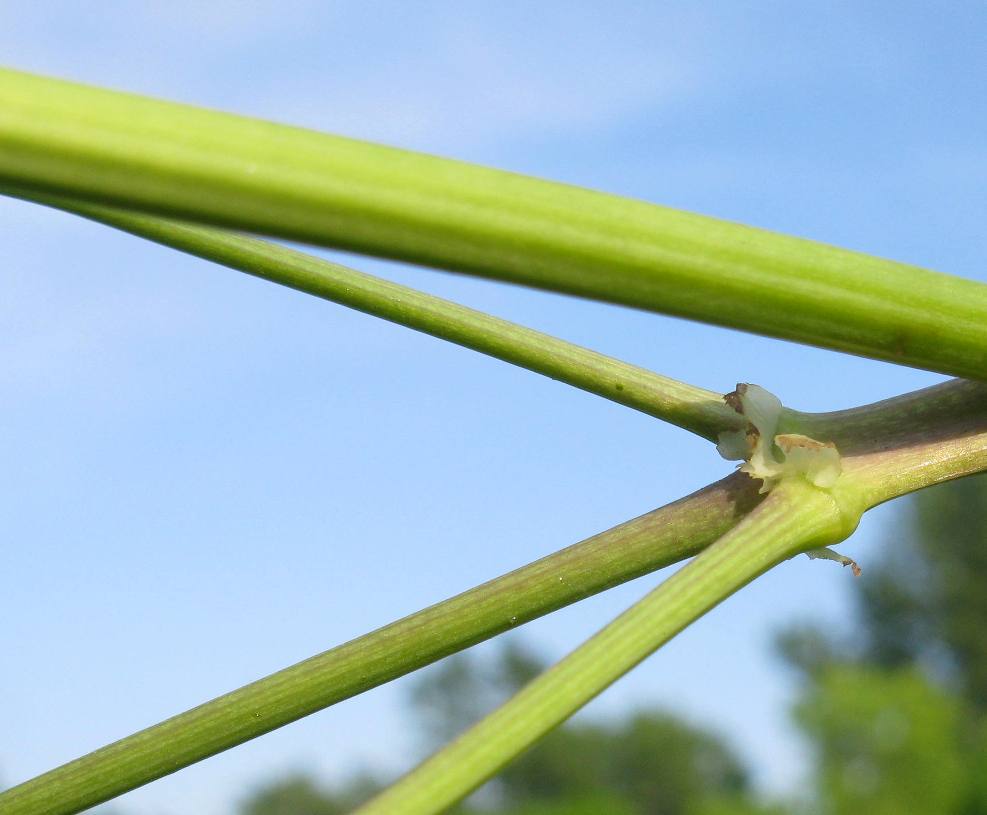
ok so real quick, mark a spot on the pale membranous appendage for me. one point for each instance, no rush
(771, 456)
(828, 554)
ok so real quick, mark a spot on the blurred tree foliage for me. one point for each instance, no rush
(300, 794)
(898, 715)
(650, 763)
(886, 742)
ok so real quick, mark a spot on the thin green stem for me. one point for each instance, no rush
(695, 409)
(227, 170)
(884, 423)
(899, 445)
(630, 550)
(928, 456)
(794, 518)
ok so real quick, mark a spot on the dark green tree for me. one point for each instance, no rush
(927, 603)
(300, 794)
(897, 710)
(886, 742)
(649, 763)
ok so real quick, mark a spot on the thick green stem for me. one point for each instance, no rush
(630, 550)
(926, 457)
(794, 518)
(283, 181)
(906, 443)
(696, 409)
(884, 423)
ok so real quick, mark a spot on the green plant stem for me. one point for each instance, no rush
(661, 537)
(899, 445)
(886, 423)
(217, 168)
(795, 517)
(701, 411)
(881, 425)
(890, 447)
(927, 456)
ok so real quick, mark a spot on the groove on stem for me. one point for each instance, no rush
(216, 168)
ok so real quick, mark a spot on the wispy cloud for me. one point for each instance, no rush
(441, 75)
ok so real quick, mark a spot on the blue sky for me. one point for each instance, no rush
(207, 478)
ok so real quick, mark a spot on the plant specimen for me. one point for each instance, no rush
(198, 181)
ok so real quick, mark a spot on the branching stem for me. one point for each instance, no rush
(795, 517)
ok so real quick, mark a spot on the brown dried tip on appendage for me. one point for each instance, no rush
(791, 441)
(733, 398)
(825, 553)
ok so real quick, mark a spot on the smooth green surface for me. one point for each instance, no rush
(696, 409)
(861, 428)
(907, 443)
(652, 541)
(293, 183)
(794, 518)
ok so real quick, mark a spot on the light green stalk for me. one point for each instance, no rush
(906, 443)
(794, 518)
(696, 409)
(630, 550)
(283, 181)
(884, 424)
(902, 463)
(896, 446)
